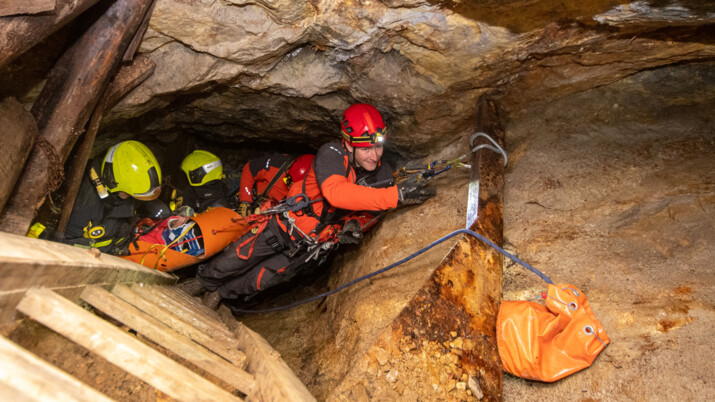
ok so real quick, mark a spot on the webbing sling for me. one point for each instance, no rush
(277, 176)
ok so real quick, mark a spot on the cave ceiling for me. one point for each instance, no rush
(261, 71)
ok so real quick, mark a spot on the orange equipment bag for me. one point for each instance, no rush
(219, 228)
(548, 342)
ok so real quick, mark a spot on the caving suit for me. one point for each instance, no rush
(210, 195)
(258, 261)
(96, 222)
(261, 172)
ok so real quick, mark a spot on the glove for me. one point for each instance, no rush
(413, 192)
(243, 208)
(350, 233)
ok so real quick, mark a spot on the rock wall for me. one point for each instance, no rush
(254, 71)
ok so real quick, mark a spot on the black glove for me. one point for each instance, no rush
(412, 192)
(350, 233)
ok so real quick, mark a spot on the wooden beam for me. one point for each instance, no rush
(22, 130)
(19, 34)
(276, 381)
(118, 347)
(207, 323)
(14, 7)
(139, 35)
(148, 326)
(216, 345)
(128, 77)
(30, 378)
(66, 102)
(26, 262)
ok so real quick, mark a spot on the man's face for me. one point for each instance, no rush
(367, 157)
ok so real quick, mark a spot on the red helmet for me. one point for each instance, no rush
(362, 126)
(300, 167)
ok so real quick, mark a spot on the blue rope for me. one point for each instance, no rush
(402, 261)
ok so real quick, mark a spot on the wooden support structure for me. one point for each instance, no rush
(154, 333)
(128, 77)
(66, 102)
(26, 262)
(25, 377)
(455, 311)
(276, 381)
(19, 34)
(216, 345)
(119, 348)
(182, 346)
(160, 354)
(14, 7)
(21, 132)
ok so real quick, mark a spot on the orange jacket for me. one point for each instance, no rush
(333, 178)
(259, 172)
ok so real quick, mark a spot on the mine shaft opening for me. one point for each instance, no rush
(609, 187)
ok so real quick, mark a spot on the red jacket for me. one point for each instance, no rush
(333, 178)
(259, 172)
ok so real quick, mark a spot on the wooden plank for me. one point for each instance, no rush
(139, 35)
(26, 262)
(70, 94)
(276, 381)
(24, 376)
(118, 347)
(216, 345)
(14, 7)
(188, 300)
(161, 334)
(14, 119)
(19, 34)
(125, 81)
(191, 301)
(188, 314)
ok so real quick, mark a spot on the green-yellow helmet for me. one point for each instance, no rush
(131, 167)
(202, 167)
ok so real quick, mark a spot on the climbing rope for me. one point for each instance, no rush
(400, 262)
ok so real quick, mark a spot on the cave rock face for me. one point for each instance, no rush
(248, 70)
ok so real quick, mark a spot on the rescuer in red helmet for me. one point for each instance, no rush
(269, 177)
(343, 204)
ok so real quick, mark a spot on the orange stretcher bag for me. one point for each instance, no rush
(219, 228)
(549, 342)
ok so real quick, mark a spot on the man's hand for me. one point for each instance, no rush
(412, 192)
(243, 208)
(350, 233)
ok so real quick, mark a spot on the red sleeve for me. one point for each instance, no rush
(245, 193)
(342, 193)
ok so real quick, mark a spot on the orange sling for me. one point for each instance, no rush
(549, 342)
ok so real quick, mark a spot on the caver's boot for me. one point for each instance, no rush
(212, 300)
(192, 287)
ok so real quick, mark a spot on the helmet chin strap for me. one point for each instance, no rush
(351, 154)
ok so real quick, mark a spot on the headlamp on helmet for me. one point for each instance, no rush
(362, 126)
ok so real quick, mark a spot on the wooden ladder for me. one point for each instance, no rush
(241, 359)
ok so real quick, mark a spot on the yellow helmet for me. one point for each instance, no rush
(131, 167)
(202, 167)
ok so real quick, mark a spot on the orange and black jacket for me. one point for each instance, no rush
(259, 172)
(344, 191)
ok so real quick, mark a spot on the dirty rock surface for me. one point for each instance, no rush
(613, 190)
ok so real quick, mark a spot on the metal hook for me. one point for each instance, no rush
(496, 148)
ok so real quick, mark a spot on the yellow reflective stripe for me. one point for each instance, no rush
(102, 243)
